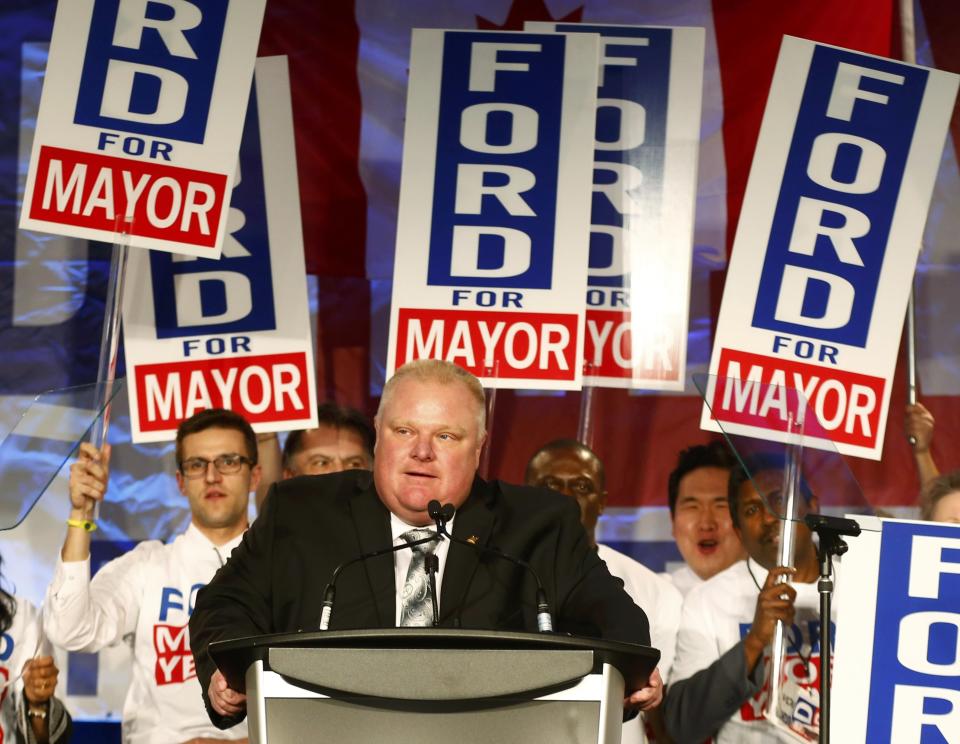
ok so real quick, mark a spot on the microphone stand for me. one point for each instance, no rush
(829, 530)
(330, 592)
(443, 514)
(433, 565)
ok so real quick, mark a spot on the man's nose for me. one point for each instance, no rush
(211, 474)
(422, 448)
(708, 520)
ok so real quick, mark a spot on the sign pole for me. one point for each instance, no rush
(908, 40)
(110, 339)
(585, 425)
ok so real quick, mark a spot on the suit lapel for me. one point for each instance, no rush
(474, 522)
(372, 521)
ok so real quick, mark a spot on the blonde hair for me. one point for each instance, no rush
(442, 373)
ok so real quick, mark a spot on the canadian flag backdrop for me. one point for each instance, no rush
(348, 72)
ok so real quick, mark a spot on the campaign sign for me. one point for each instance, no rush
(232, 332)
(494, 218)
(140, 121)
(827, 243)
(644, 191)
(897, 670)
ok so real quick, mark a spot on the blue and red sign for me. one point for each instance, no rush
(138, 127)
(494, 205)
(827, 244)
(644, 188)
(898, 653)
(232, 332)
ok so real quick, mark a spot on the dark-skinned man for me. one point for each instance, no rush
(720, 673)
(573, 469)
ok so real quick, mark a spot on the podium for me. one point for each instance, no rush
(422, 686)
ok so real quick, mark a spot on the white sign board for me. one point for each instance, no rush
(494, 217)
(644, 192)
(232, 332)
(140, 121)
(897, 670)
(826, 246)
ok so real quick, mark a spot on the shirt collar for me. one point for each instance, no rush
(398, 527)
(194, 534)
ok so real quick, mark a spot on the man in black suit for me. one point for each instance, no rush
(430, 431)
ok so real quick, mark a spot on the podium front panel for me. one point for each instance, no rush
(577, 713)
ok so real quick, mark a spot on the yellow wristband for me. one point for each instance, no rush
(86, 524)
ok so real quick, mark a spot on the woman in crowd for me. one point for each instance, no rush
(29, 712)
(940, 498)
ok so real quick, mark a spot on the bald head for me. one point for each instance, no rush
(573, 469)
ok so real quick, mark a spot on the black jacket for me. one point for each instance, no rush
(275, 578)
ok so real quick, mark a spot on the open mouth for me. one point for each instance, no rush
(708, 547)
(214, 495)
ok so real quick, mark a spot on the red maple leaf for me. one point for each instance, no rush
(527, 10)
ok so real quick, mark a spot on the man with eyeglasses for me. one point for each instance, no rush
(145, 597)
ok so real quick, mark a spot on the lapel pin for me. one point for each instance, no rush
(473, 539)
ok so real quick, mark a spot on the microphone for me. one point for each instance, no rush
(433, 565)
(330, 592)
(443, 514)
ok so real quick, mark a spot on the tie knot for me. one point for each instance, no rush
(411, 536)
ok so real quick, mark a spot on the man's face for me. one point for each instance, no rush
(218, 501)
(701, 522)
(760, 528)
(573, 473)
(428, 447)
(328, 449)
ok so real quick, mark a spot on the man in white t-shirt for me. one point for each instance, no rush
(146, 596)
(574, 470)
(699, 515)
(721, 671)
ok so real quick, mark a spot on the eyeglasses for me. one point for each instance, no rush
(196, 467)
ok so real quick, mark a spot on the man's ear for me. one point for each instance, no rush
(256, 472)
(180, 482)
(603, 500)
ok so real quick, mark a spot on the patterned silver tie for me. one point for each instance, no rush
(416, 608)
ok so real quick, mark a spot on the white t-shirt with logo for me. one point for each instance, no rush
(144, 598)
(662, 602)
(21, 642)
(717, 615)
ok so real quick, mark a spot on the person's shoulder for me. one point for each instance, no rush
(146, 549)
(322, 489)
(630, 569)
(615, 558)
(25, 610)
(724, 585)
(533, 499)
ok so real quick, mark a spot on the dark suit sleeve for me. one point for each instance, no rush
(696, 707)
(237, 602)
(589, 599)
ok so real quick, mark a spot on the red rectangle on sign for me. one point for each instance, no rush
(761, 391)
(535, 346)
(271, 387)
(609, 348)
(94, 191)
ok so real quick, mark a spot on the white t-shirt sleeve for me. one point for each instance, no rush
(84, 615)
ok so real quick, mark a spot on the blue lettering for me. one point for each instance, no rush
(170, 599)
